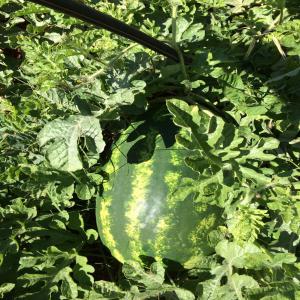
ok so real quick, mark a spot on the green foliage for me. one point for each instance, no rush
(63, 153)
(152, 282)
(67, 89)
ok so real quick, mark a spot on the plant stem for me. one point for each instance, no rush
(174, 42)
(174, 29)
(237, 292)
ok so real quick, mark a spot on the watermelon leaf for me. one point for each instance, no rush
(6, 288)
(107, 290)
(133, 271)
(157, 125)
(224, 153)
(63, 136)
(153, 282)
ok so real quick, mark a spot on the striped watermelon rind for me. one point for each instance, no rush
(140, 215)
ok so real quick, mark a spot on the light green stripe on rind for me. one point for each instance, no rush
(208, 219)
(107, 236)
(171, 179)
(140, 184)
(176, 160)
(111, 168)
(160, 245)
(104, 211)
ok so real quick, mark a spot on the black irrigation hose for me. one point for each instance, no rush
(79, 10)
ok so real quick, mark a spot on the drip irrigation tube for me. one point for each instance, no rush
(90, 15)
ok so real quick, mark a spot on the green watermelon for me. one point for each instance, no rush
(139, 215)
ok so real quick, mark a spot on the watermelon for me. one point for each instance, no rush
(139, 213)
